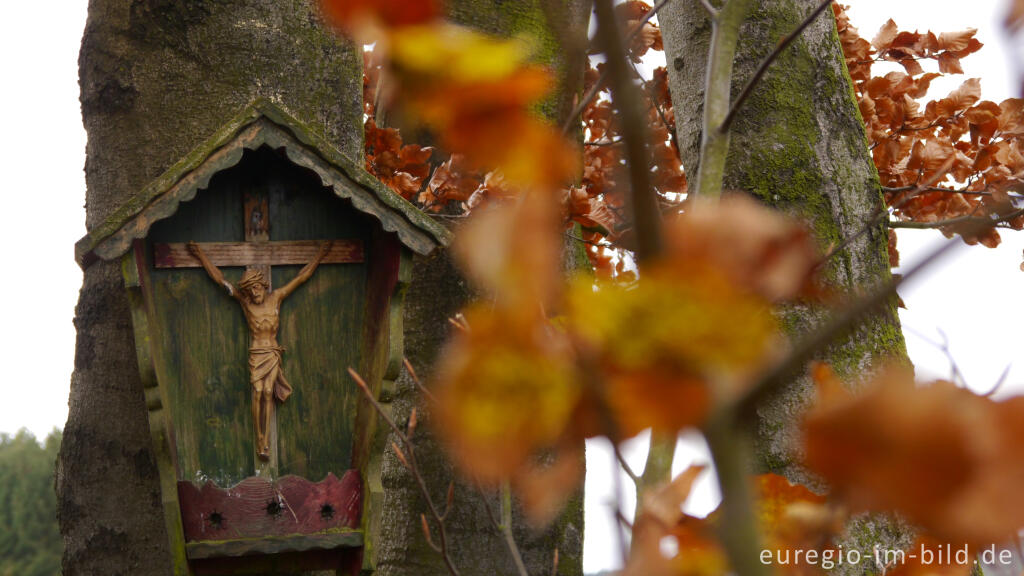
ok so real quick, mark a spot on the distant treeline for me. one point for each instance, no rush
(30, 543)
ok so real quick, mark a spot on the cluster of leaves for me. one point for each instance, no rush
(614, 360)
(603, 217)
(539, 365)
(466, 179)
(30, 544)
(945, 161)
(947, 459)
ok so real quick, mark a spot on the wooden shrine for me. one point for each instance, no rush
(259, 268)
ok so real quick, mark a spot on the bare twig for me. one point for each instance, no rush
(954, 368)
(571, 119)
(416, 380)
(625, 465)
(763, 68)
(920, 189)
(999, 383)
(408, 458)
(646, 216)
(955, 374)
(882, 214)
(838, 325)
(711, 10)
(969, 219)
(617, 508)
(505, 529)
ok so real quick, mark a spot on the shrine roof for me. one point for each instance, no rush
(262, 123)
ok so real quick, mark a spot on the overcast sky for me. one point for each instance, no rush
(973, 297)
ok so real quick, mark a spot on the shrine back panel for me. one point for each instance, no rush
(201, 352)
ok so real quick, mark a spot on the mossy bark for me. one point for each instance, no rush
(157, 78)
(798, 144)
(437, 292)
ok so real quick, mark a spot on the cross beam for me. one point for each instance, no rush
(256, 253)
(259, 252)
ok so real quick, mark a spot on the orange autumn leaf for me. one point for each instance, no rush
(950, 460)
(452, 181)
(545, 487)
(477, 94)
(960, 99)
(792, 520)
(403, 167)
(513, 252)
(661, 516)
(957, 41)
(758, 248)
(885, 36)
(505, 391)
(649, 36)
(659, 342)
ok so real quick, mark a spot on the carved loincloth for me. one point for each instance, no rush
(265, 372)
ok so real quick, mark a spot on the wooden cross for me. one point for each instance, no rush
(258, 251)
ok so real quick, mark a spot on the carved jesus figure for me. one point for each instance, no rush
(262, 309)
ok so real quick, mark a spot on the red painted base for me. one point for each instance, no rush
(257, 507)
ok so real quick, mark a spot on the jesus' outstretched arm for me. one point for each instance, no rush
(306, 273)
(211, 270)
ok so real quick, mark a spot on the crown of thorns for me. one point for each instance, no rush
(252, 277)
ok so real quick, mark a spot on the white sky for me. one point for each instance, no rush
(973, 297)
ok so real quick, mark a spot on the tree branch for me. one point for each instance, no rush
(658, 468)
(715, 143)
(954, 221)
(711, 10)
(890, 190)
(643, 205)
(738, 531)
(593, 91)
(805, 349)
(763, 68)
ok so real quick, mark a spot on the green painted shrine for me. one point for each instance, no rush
(265, 192)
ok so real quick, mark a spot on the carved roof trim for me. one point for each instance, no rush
(261, 123)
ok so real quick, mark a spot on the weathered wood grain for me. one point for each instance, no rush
(135, 274)
(221, 254)
(201, 347)
(274, 545)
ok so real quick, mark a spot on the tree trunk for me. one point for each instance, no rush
(437, 292)
(798, 144)
(157, 78)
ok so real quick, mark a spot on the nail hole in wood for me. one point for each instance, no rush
(327, 511)
(273, 508)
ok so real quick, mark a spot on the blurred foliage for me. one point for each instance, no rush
(30, 543)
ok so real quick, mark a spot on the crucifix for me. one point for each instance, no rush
(260, 303)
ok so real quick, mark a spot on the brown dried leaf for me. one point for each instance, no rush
(956, 41)
(885, 36)
(948, 459)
